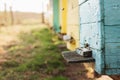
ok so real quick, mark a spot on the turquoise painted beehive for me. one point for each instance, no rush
(100, 28)
(56, 16)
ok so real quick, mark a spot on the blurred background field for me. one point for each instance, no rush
(19, 18)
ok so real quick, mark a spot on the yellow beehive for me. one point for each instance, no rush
(63, 15)
(73, 24)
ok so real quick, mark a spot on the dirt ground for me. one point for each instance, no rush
(77, 71)
(85, 71)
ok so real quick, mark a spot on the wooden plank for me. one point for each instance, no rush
(115, 71)
(91, 34)
(90, 12)
(73, 24)
(112, 49)
(99, 60)
(112, 34)
(112, 12)
(112, 37)
(112, 62)
(64, 16)
(73, 57)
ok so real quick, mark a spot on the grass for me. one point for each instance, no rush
(36, 57)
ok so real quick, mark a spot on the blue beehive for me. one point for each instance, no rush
(56, 18)
(100, 28)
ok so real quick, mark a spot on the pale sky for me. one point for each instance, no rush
(24, 5)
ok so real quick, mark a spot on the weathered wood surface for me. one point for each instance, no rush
(73, 57)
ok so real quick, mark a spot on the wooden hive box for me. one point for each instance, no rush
(73, 24)
(56, 17)
(100, 28)
(63, 16)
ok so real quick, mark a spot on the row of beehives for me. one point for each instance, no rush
(93, 22)
(65, 20)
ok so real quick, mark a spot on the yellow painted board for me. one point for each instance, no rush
(64, 16)
(73, 25)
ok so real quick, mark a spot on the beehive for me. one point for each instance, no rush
(63, 9)
(56, 17)
(100, 28)
(73, 24)
(48, 15)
